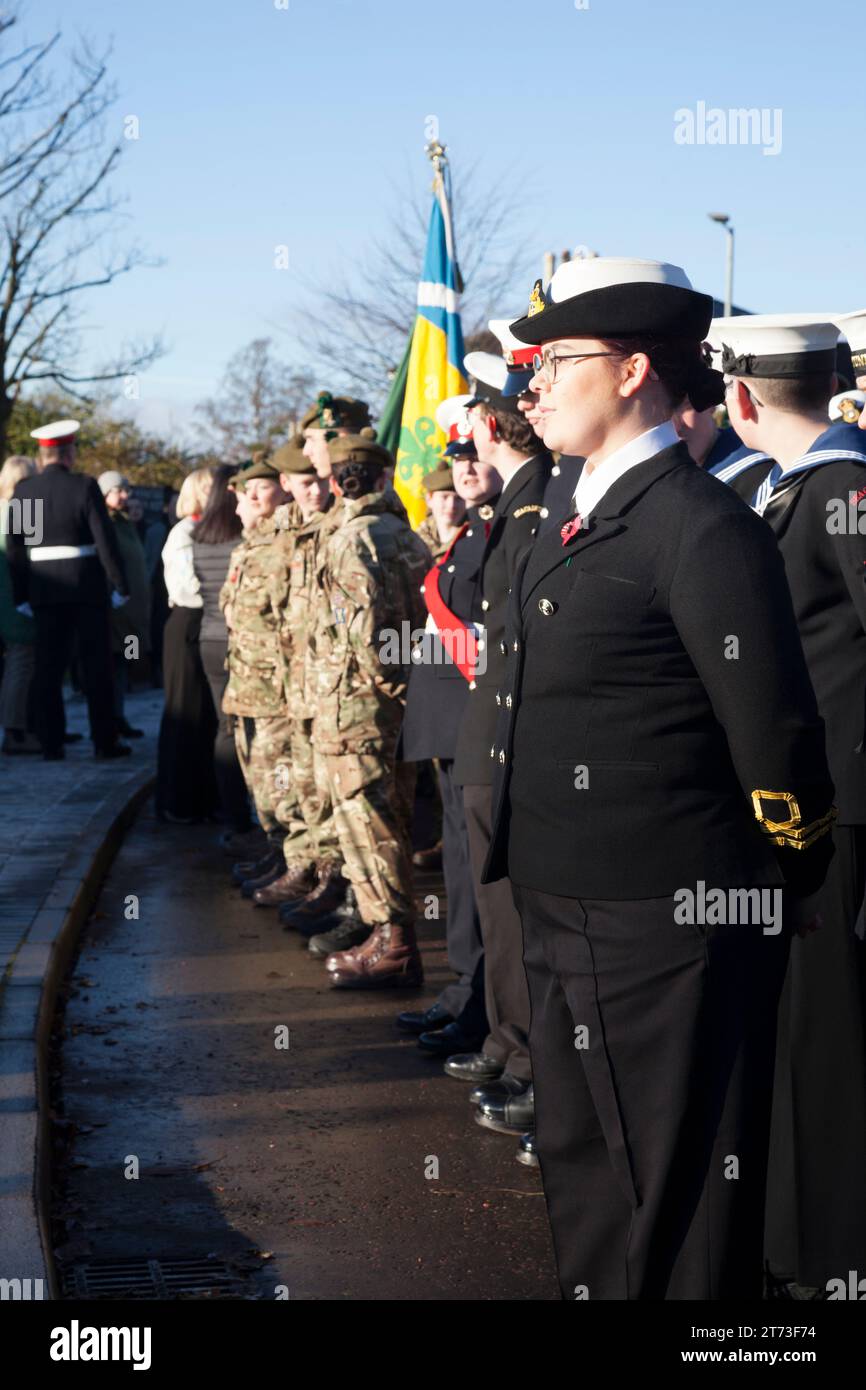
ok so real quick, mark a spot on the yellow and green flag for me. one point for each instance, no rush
(434, 367)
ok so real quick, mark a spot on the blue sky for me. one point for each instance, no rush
(262, 125)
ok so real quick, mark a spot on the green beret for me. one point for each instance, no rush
(290, 458)
(263, 469)
(336, 412)
(440, 480)
(357, 448)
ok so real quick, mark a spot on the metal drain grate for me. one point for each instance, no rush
(146, 1278)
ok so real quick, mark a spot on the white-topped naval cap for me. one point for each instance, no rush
(774, 345)
(502, 330)
(451, 415)
(58, 432)
(603, 272)
(853, 326)
(487, 368)
(614, 296)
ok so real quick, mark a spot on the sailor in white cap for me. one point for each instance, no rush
(66, 580)
(658, 742)
(781, 376)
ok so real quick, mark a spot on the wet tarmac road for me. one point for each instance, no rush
(315, 1155)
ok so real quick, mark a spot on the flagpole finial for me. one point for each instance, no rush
(435, 152)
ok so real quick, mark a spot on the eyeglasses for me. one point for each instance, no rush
(545, 363)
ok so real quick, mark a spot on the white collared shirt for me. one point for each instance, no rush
(592, 487)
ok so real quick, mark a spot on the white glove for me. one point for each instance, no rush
(118, 600)
(25, 609)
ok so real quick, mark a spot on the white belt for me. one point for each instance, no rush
(60, 552)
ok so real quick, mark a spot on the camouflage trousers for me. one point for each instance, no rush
(372, 800)
(268, 767)
(313, 819)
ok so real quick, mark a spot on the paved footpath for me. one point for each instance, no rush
(60, 824)
(344, 1166)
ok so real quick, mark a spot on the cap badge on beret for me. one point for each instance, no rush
(327, 418)
(536, 300)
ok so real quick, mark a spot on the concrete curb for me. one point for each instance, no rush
(27, 1004)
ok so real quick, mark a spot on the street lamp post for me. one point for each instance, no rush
(724, 220)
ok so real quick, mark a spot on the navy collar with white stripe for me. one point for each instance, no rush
(839, 442)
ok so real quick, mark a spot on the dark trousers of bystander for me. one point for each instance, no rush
(57, 627)
(234, 801)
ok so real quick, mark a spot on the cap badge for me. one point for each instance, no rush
(536, 301)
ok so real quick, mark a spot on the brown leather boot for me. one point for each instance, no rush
(312, 913)
(388, 959)
(291, 886)
(249, 885)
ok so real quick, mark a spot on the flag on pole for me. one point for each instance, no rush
(435, 366)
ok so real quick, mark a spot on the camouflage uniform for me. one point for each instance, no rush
(368, 570)
(428, 532)
(256, 686)
(307, 819)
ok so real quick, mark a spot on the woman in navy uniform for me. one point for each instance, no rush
(660, 772)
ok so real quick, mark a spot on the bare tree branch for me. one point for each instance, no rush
(56, 208)
(361, 322)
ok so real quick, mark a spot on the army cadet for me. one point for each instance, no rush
(781, 373)
(438, 690)
(68, 580)
(659, 747)
(311, 835)
(328, 418)
(446, 511)
(369, 568)
(255, 662)
(500, 1069)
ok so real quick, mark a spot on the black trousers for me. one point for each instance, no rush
(816, 1186)
(652, 1056)
(234, 801)
(58, 627)
(185, 780)
(505, 992)
(464, 997)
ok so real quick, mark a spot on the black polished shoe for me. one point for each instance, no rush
(514, 1115)
(115, 750)
(426, 1022)
(342, 937)
(492, 1091)
(73, 738)
(527, 1150)
(54, 755)
(475, 1066)
(254, 868)
(128, 731)
(447, 1041)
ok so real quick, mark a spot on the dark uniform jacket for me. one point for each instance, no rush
(73, 513)
(438, 692)
(632, 738)
(559, 493)
(512, 528)
(825, 559)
